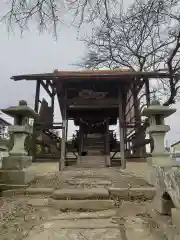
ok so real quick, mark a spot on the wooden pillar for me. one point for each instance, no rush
(138, 135)
(66, 138)
(64, 130)
(107, 143)
(36, 108)
(121, 129)
(148, 101)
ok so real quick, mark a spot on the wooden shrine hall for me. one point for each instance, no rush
(95, 100)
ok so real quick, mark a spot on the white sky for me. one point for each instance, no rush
(34, 53)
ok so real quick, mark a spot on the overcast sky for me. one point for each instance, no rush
(34, 53)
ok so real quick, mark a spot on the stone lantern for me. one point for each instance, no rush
(15, 167)
(157, 129)
(160, 157)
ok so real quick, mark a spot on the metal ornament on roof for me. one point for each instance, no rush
(89, 94)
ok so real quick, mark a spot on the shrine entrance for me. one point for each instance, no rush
(96, 100)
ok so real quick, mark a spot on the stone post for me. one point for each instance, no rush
(15, 167)
(157, 129)
(3, 149)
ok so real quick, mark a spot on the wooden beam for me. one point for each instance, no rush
(45, 86)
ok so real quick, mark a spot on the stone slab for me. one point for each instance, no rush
(135, 228)
(76, 205)
(89, 182)
(146, 193)
(38, 202)
(127, 193)
(5, 187)
(17, 176)
(86, 215)
(92, 193)
(76, 234)
(28, 191)
(122, 193)
(81, 224)
(16, 162)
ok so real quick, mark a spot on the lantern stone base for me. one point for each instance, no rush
(152, 173)
(17, 177)
(16, 162)
(155, 162)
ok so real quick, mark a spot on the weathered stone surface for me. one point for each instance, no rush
(76, 205)
(16, 162)
(119, 192)
(161, 205)
(147, 193)
(168, 181)
(38, 202)
(28, 191)
(76, 234)
(175, 213)
(92, 193)
(91, 182)
(86, 215)
(17, 176)
(81, 224)
(125, 193)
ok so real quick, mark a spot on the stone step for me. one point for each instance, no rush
(82, 224)
(84, 205)
(89, 182)
(86, 215)
(93, 193)
(28, 191)
(133, 193)
(91, 166)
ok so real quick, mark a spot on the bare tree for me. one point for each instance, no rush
(49, 13)
(145, 37)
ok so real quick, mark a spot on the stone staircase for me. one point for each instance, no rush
(87, 201)
(93, 160)
(94, 144)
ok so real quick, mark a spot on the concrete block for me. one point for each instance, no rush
(17, 176)
(93, 205)
(16, 162)
(92, 193)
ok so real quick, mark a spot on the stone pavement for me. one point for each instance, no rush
(78, 204)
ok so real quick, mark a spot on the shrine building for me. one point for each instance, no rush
(96, 100)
